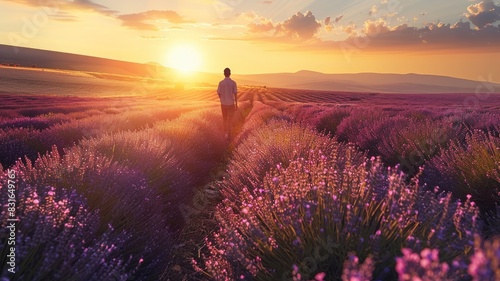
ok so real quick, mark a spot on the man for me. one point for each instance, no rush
(227, 92)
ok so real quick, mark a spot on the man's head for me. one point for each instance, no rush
(227, 72)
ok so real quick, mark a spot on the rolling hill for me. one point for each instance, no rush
(358, 82)
(57, 60)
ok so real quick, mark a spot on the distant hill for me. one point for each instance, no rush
(57, 60)
(359, 82)
(371, 82)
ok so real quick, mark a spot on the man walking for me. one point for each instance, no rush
(227, 92)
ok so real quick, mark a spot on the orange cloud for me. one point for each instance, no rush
(260, 27)
(298, 26)
(374, 28)
(83, 5)
(350, 29)
(142, 21)
(303, 26)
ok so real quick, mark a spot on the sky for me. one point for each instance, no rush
(459, 38)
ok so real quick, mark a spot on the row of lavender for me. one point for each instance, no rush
(102, 204)
(22, 136)
(299, 205)
(458, 149)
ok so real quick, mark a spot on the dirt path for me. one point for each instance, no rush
(199, 214)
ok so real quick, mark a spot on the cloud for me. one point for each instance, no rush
(328, 20)
(302, 26)
(82, 5)
(250, 15)
(261, 27)
(378, 35)
(146, 20)
(328, 24)
(373, 10)
(350, 30)
(64, 16)
(298, 26)
(373, 28)
(301, 31)
(154, 37)
(258, 24)
(89, 5)
(483, 13)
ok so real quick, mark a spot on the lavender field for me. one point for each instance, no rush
(314, 186)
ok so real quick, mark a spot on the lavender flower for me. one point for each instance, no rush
(353, 271)
(426, 266)
(485, 262)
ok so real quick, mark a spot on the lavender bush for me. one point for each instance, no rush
(469, 169)
(8, 114)
(133, 148)
(356, 127)
(17, 143)
(323, 206)
(276, 143)
(325, 119)
(197, 140)
(331, 119)
(411, 142)
(260, 115)
(120, 194)
(69, 133)
(481, 119)
(58, 238)
(37, 123)
(306, 113)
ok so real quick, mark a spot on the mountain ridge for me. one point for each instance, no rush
(303, 79)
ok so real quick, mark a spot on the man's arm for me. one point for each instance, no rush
(235, 90)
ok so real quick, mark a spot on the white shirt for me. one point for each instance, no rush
(226, 90)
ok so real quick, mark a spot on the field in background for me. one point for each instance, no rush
(315, 184)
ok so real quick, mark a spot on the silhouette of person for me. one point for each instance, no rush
(227, 92)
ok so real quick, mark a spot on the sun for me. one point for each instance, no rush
(185, 58)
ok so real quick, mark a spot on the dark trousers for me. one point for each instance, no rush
(227, 117)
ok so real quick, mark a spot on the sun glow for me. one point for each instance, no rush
(185, 58)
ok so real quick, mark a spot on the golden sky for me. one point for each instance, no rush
(459, 38)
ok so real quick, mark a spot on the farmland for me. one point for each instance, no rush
(140, 184)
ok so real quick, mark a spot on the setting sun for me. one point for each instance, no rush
(185, 58)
